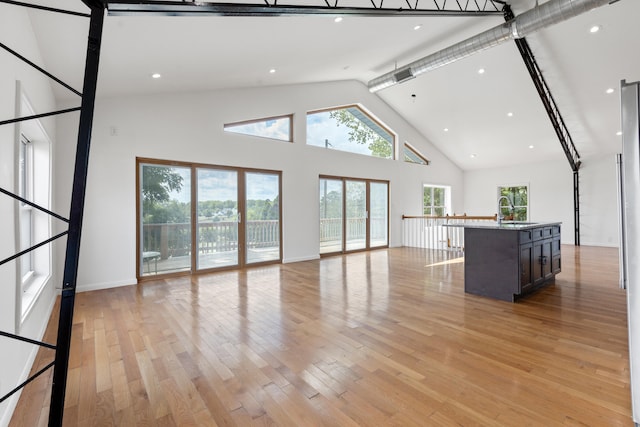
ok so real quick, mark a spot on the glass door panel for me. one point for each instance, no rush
(165, 193)
(262, 206)
(379, 214)
(356, 215)
(331, 215)
(218, 217)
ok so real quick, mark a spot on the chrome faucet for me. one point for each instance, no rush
(511, 207)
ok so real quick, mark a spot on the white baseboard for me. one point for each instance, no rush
(300, 259)
(105, 285)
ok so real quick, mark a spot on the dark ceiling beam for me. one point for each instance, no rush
(293, 8)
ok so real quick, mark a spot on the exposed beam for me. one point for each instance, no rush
(297, 8)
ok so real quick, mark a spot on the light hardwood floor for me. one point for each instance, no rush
(381, 338)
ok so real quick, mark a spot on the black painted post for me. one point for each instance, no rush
(75, 217)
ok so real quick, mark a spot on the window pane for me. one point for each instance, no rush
(379, 214)
(217, 218)
(412, 156)
(330, 215)
(349, 129)
(518, 195)
(356, 211)
(275, 128)
(25, 185)
(263, 217)
(166, 220)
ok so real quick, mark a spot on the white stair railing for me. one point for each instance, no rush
(435, 232)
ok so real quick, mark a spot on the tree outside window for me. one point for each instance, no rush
(435, 200)
(519, 196)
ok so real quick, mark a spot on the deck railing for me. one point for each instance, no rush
(431, 232)
(174, 239)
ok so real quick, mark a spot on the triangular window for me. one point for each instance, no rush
(350, 129)
(412, 155)
(279, 128)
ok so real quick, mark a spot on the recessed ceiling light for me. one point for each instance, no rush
(510, 114)
(610, 90)
(417, 27)
(531, 146)
(473, 156)
(338, 19)
(156, 75)
(273, 70)
(619, 133)
(446, 129)
(481, 71)
(594, 29)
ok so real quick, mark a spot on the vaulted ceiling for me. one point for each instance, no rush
(196, 53)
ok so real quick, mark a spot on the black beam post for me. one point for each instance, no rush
(75, 217)
(554, 116)
(576, 205)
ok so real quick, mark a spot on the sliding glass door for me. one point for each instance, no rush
(229, 217)
(218, 218)
(353, 214)
(379, 214)
(262, 230)
(356, 215)
(165, 219)
(331, 215)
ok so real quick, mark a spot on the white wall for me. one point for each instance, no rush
(189, 127)
(16, 358)
(551, 196)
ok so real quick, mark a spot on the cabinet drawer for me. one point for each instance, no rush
(537, 233)
(526, 236)
(555, 230)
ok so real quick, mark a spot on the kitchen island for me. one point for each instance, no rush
(510, 259)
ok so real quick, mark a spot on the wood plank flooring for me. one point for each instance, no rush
(384, 338)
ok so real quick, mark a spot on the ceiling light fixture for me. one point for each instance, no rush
(531, 146)
(594, 29)
(473, 156)
(417, 27)
(619, 133)
(510, 114)
(610, 90)
(273, 70)
(446, 129)
(481, 71)
(156, 75)
(338, 19)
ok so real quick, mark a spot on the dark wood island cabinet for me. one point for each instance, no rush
(509, 260)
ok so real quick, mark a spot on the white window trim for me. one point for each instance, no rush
(447, 197)
(30, 286)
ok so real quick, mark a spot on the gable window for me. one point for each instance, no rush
(436, 200)
(519, 196)
(279, 128)
(350, 129)
(411, 155)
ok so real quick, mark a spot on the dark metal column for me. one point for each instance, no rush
(554, 116)
(75, 216)
(576, 205)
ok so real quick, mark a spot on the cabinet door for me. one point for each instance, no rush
(536, 263)
(526, 257)
(555, 256)
(546, 259)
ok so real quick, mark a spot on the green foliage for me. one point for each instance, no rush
(157, 184)
(519, 198)
(360, 133)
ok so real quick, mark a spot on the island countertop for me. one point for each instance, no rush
(505, 225)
